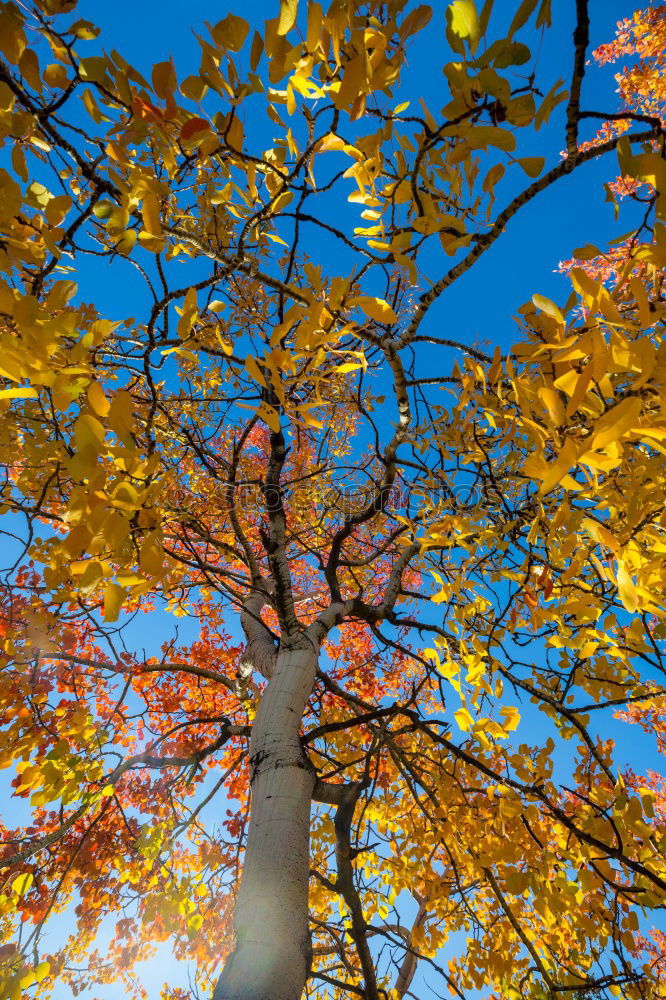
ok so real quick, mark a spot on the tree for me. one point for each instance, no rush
(417, 559)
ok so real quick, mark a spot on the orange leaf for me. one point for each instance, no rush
(192, 127)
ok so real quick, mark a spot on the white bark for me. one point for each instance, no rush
(410, 961)
(272, 953)
(260, 651)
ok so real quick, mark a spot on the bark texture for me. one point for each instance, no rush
(260, 650)
(272, 953)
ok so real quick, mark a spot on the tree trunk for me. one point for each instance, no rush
(271, 957)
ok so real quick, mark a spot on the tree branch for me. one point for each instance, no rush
(345, 884)
(581, 39)
(498, 227)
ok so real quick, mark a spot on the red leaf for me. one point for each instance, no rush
(144, 109)
(191, 127)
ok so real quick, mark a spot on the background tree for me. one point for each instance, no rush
(419, 550)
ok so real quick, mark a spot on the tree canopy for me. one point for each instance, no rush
(420, 580)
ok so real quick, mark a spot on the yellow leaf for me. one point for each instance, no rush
(348, 366)
(164, 79)
(85, 30)
(114, 595)
(121, 415)
(132, 580)
(415, 21)
(151, 556)
(22, 883)
(586, 252)
(521, 15)
(55, 76)
(464, 719)
(559, 467)
(640, 295)
(91, 106)
(125, 242)
(57, 209)
(88, 432)
(464, 20)
(115, 530)
(150, 213)
(288, 12)
(254, 371)
(490, 135)
(616, 422)
(231, 32)
(510, 717)
(98, 400)
(601, 534)
(650, 168)
(270, 416)
(377, 309)
(626, 588)
(41, 971)
(521, 111)
(547, 306)
(24, 392)
(553, 404)
(532, 165)
(256, 50)
(103, 209)
(332, 143)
